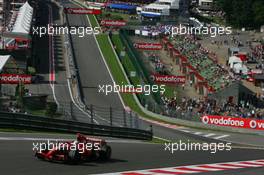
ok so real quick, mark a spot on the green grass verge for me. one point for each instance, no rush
(169, 92)
(37, 112)
(113, 64)
(93, 21)
(118, 75)
(126, 61)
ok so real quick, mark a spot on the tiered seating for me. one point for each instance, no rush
(199, 58)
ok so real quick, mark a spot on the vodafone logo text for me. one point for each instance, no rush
(116, 23)
(148, 46)
(233, 122)
(82, 11)
(15, 79)
(168, 79)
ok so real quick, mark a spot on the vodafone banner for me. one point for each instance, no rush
(168, 79)
(115, 23)
(233, 122)
(82, 11)
(15, 79)
(148, 46)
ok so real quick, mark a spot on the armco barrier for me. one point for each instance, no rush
(36, 123)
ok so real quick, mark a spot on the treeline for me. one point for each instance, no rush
(243, 13)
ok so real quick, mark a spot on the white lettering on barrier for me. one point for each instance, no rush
(233, 122)
(229, 121)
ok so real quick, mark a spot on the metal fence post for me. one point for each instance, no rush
(136, 122)
(131, 124)
(111, 116)
(124, 112)
(71, 111)
(92, 114)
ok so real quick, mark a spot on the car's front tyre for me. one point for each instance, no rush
(74, 156)
(105, 155)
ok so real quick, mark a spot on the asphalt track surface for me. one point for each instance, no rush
(91, 68)
(93, 73)
(17, 156)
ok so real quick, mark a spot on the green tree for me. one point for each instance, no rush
(258, 10)
(243, 13)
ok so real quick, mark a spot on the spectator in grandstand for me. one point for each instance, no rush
(204, 61)
(210, 106)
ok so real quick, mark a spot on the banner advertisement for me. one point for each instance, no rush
(245, 123)
(15, 79)
(168, 79)
(148, 46)
(83, 11)
(114, 23)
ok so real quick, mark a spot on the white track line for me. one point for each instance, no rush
(209, 135)
(222, 136)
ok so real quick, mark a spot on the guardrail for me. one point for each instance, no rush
(37, 123)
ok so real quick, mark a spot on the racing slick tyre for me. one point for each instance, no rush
(105, 155)
(74, 156)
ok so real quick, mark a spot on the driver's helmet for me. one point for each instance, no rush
(81, 138)
(75, 142)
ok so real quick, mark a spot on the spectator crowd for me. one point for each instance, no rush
(204, 61)
(197, 107)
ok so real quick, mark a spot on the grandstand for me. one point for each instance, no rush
(199, 60)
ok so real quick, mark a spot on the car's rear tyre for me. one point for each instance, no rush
(105, 155)
(74, 156)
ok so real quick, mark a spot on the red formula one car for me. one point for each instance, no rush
(81, 150)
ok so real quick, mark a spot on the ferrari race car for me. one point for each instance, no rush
(81, 150)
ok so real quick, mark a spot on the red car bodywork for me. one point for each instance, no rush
(86, 149)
